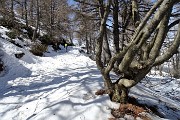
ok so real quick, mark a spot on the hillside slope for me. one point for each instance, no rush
(61, 86)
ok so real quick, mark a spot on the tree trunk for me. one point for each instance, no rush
(116, 25)
(87, 43)
(37, 21)
(31, 11)
(12, 12)
(106, 49)
(26, 13)
(132, 66)
(120, 94)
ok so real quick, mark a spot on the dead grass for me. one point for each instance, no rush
(132, 108)
(103, 91)
(100, 92)
(128, 109)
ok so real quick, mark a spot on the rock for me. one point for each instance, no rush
(19, 55)
(1, 67)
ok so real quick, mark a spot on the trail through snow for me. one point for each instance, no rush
(60, 86)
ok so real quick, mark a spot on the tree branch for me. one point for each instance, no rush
(171, 51)
(100, 37)
(163, 29)
(144, 35)
(148, 15)
(82, 1)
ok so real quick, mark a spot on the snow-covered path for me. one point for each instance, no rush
(60, 87)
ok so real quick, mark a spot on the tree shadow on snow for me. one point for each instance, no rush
(70, 82)
(158, 105)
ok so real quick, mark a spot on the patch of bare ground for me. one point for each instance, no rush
(129, 109)
(133, 108)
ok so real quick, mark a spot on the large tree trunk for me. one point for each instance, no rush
(132, 67)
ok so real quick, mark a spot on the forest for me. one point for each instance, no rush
(88, 55)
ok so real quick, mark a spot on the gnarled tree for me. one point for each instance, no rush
(143, 51)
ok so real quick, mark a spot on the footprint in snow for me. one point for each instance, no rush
(88, 96)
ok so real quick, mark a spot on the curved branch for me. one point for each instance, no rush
(144, 35)
(116, 57)
(171, 51)
(148, 15)
(162, 32)
(100, 36)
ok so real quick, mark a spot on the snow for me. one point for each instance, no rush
(50, 88)
(3, 31)
(61, 86)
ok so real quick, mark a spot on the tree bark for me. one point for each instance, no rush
(116, 25)
(99, 45)
(26, 13)
(132, 66)
(37, 21)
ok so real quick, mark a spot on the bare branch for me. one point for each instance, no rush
(82, 1)
(171, 51)
(100, 36)
(148, 15)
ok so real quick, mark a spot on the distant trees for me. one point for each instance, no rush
(88, 20)
(50, 15)
(128, 37)
(140, 30)
(7, 10)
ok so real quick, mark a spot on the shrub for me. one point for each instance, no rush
(13, 33)
(29, 32)
(7, 23)
(71, 44)
(176, 73)
(46, 39)
(38, 49)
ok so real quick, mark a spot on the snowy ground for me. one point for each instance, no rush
(61, 86)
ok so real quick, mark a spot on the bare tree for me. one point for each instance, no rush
(138, 56)
(37, 20)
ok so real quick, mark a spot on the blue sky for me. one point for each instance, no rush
(71, 2)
